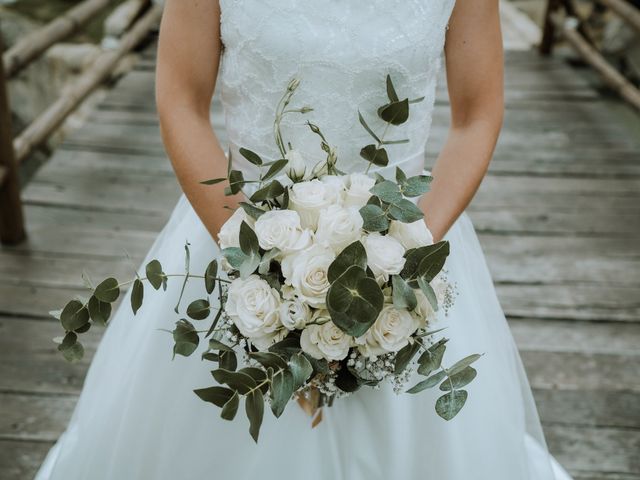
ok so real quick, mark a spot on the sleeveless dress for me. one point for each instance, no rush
(137, 417)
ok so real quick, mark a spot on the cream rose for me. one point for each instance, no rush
(254, 307)
(309, 198)
(294, 313)
(281, 229)
(306, 271)
(385, 255)
(338, 227)
(326, 340)
(358, 186)
(389, 333)
(411, 235)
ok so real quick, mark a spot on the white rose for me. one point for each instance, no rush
(281, 229)
(308, 198)
(385, 255)
(338, 227)
(389, 333)
(358, 193)
(294, 313)
(254, 307)
(297, 167)
(229, 235)
(325, 341)
(306, 271)
(336, 183)
(411, 235)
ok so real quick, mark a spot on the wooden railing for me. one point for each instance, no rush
(562, 17)
(14, 150)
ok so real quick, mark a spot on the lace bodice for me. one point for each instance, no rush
(342, 51)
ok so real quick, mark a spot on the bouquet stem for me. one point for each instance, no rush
(310, 402)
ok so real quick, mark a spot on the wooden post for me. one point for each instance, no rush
(11, 218)
(548, 29)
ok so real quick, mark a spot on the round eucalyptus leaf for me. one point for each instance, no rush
(228, 360)
(404, 356)
(387, 191)
(430, 382)
(71, 349)
(154, 274)
(450, 404)
(74, 315)
(374, 218)
(462, 378)
(375, 155)
(108, 291)
(99, 311)
(405, 211)
(199, 309)
(186, 338)
(431, 359)
(417, 185)
(353, 254)
(464, 363)
(395, 113)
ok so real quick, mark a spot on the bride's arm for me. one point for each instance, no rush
(188, 57)
(475, 80)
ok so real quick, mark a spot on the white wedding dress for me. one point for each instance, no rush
(137, 417)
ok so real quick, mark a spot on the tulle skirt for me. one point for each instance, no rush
(138, 418)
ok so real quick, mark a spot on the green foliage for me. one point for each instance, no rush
(403, 295)
(374, 218)
(431, 359)
(210, 275)
(353, 254)
(185, 337)
(70, 348)
(99, 311)
(199, 309)
(376, 155)
(108, 291)
(137, 295)
(354, 301)
(154, 273)
(251, 156)
(254, 406)
(74, 315)
(450, 404)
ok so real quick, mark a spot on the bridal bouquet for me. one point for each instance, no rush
(328, 282)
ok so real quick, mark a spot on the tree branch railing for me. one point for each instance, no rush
(562, 19)
(14, 151)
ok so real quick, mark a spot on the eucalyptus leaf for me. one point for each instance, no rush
(346, 381)
(375, 155)
(430, 382)
(74, 315)
(401, 177)
(99, 311)
(275, 169)
(367, 128)
(154, 274)
(269, 359)
(435, 255)
(464, 363)
(460, 379)
(450, 404)
(396, 112)
(137, 295)
(236, 181)
(354, 301)
(230, 408)
(218, 345)
(235, 380)
(404, 356)
(248, 240)
(431, 359)
(186, 338)
(301, 369)
(249, 265)
(432, 264)
(217, 395)
(417, 185)
(405, 211)
(352, 254)
(254, 406)
(391, 91)
(108, 291)
(282, 388)
(402, 294)
(259, 375)
(251, 156)
(210, 275)
(70, 348)
(387, 191)
(228, 360)
(374, 218)
(213, 181)
(234, 256)
(251, 210)
(199, 309)
(270, 191)
(428, 292)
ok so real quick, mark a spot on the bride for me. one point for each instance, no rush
(137, 417)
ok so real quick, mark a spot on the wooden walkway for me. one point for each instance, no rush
(558, 216)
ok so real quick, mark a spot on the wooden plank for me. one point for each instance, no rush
(20, 460)
(30, 417)
(589, 450)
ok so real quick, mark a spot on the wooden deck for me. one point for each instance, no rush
(558, 216)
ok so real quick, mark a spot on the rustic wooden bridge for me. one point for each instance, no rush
(558, 216)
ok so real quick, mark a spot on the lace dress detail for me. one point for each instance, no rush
(341, 51)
